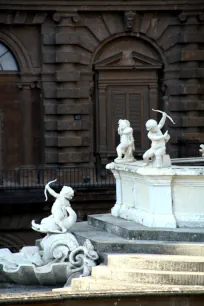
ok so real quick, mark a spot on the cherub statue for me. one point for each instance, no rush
(202, 149)
(59, 221)
(126, 146)
(159, 140)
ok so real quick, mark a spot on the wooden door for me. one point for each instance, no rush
(131, 103)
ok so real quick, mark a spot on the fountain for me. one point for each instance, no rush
(58, 257)
(154, 192)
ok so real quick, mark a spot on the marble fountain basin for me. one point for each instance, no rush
(166, 197)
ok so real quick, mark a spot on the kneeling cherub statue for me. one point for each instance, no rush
(159, 140)
(126, 147)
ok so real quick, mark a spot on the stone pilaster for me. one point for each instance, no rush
(27, 128)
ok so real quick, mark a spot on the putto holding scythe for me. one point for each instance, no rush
(159, 140)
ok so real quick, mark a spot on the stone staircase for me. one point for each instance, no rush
(136, 257)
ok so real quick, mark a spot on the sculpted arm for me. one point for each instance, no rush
(127, 131)
(51, 191)
(162, 121)
(155, 138)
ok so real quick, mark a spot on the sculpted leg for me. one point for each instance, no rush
(158, 155)
(147, 155)
(119, 152)
(58, 220)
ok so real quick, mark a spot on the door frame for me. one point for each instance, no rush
(126, 77)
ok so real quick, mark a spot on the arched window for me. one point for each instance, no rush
(7, 60)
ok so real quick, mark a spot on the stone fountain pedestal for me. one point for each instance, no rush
(159, 197)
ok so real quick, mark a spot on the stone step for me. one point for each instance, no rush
(148, 276)
(134, 231)
(90, 284)
(105, 242)
(157, 262)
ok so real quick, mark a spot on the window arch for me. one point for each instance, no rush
(7, 60)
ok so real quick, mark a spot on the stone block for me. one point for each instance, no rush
(191, 73)
(50, 109)
(174, 57)
(50, 92)
(51, 157)
(67, 157)
(87, 40)
(3, 17)
(49, 57)
(146, 22)
(63, 37)
(190, 89)
(67, 57)
(192, 121)
(39, 18)
(75, 93)
(134, 231)
(20, 17)
(67, 76)
(68, 93)
(192, 55)
(190, 105)
(51, 125)
(192, 37)
(114, 22)
(192, 136)
(67, 141)
(74, 125)
(49, 38)
(63, 109)
(106, 242)
(86, 76)
(51, 141)
(174, 90)
(147, 276)
(97, 27)
(171, 40)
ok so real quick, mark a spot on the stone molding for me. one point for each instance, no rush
(183, 16)
(22, 17)
(159, 197)
(28, 85)
(99, 6)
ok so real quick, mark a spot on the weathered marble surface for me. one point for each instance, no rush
(58, 258)
(159, 197)
(126, 146)
(202, 149)
(62, 217)
(156, 155)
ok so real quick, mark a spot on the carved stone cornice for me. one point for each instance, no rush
(183, 16)
(129, 19)
(22, 17)
(28, 85)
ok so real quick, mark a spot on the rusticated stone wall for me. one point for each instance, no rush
(58, 45)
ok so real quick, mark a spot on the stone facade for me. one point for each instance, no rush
(83, 65)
